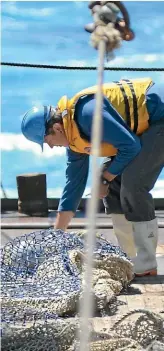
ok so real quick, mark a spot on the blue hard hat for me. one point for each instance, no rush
(33, 124)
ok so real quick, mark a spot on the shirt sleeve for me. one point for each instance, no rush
(114, 131)
(76, 179)
(155, 103)
(117, 133)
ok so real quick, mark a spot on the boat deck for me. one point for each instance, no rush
(144, 293)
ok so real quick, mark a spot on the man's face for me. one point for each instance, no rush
(57, 137)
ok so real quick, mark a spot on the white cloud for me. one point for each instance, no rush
(57, 192)
(151, 58)
(12, 24)
(80, 4)
(157, 192)
(12, 142)
(118, 61)
(137, 59)
(12, 9)
(10, 193)
(81, 63)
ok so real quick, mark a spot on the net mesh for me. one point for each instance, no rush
(42, 275)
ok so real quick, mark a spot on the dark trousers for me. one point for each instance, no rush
(130, 193)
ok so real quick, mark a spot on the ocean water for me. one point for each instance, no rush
(20, 156)
(23, 88)
(39, 32)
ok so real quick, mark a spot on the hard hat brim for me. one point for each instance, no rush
(33, 125)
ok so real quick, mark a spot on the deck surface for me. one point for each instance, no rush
(144, 293)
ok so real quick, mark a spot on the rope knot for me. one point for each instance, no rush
(108, 26)
(109, 34)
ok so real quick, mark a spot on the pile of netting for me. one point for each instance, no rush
(42, 277)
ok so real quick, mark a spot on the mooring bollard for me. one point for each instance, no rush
(32, 194)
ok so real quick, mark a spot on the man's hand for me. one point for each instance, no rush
(103, 191)
(105, 188)
(63, 219)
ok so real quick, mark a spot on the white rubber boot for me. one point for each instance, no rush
(124, 233)
(146, 237)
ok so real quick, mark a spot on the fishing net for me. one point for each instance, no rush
(42, 275)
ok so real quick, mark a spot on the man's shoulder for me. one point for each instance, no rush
(157, 89)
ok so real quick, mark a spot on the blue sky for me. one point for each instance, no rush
(53, 33)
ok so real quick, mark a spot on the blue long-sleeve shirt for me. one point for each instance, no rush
(114, 131)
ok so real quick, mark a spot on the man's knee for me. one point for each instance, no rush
(132, 195)
(128, 201)
(136, 202)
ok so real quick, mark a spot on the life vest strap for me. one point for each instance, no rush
(135, 107)
(126, 102)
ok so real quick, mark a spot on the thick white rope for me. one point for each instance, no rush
(86, 305)
(105, 38)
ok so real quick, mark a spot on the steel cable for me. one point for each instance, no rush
(83, 68)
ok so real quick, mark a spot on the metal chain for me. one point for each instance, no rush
(85, 68)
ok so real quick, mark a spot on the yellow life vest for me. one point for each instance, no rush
(126, 96)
